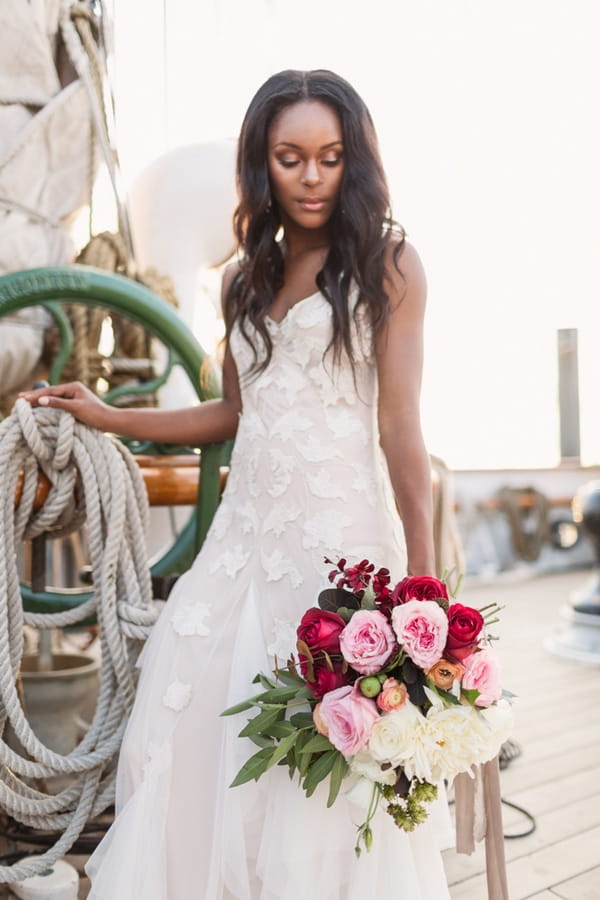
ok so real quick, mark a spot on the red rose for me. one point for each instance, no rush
(464, 628)
(320, 630)
(419, 587)
(325, 679)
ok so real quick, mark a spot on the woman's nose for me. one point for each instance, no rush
(311, 174)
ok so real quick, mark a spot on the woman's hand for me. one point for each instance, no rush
(76, 399)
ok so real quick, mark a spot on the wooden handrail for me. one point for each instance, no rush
(170, 481)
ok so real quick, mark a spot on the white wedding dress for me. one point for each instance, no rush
(307, 480)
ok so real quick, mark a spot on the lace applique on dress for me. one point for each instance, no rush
(364, 482)
(283, 640)
(281, 468)
(321, 484)
(343, 423)
(279, 517)
(177, 695)
(189, 619)
(326, 530)
(231, 561)
(287, 425)
(313, 449)
(277, 566)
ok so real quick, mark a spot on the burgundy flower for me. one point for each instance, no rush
(419, 587)
(320, 630)
(325, 680)
(464, 628)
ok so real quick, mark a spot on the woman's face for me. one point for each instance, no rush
(306, 163)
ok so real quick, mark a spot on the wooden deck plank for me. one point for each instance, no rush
(533, 873)
(583, 887)
(551, 829)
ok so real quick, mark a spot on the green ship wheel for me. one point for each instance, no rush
(49, 286)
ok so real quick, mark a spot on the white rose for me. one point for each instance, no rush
(495, 725)
(394, 735)
(450, 742)
(363, 764)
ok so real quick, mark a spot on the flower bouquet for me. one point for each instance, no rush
(396, 685)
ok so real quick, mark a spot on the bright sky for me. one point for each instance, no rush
(488, 122)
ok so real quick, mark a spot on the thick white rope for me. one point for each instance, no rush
(93, 477)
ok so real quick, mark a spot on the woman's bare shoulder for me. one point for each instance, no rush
(404, 272)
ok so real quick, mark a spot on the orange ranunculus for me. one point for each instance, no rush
(444, 674)
(393, 695)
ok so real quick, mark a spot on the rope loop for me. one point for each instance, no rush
(93, 478)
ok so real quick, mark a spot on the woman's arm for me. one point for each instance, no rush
(399, 364)
(211, 421)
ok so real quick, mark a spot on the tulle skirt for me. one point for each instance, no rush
(181, 833)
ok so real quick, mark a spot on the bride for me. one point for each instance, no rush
(321, 378)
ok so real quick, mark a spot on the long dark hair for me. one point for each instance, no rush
(361, 224)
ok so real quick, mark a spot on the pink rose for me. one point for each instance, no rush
(482, 673)
(367, 641)
(348, 717)
(392, 696)
(319, 723)
(421, 627)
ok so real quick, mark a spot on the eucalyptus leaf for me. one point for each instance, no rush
(280, 694)
(289, 678)
(239, 707)
(279, 729)
(340, 767)
(302, 720)
(253, 768)
(258, 724)
(470, 695)
(283, 748)
(261, 740)
(319, 770)
(317, 744)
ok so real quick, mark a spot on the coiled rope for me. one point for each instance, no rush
(93, 477)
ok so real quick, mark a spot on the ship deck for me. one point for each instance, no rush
(557, 776)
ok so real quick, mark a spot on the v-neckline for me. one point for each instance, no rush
(279, 323)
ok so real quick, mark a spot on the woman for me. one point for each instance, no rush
(321, 381)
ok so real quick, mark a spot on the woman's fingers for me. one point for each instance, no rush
(45, 395)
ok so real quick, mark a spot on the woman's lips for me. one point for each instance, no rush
(312, 204)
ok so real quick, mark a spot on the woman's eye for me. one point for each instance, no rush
(288, 163)
(332, 162)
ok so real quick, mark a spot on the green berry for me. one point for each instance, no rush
(370, 686)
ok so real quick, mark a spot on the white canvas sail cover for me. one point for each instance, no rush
(46, 161)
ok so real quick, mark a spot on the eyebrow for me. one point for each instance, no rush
(297, 146)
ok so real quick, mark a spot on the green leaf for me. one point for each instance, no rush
(317, 744)
(260, 722)
(446, 696)
(279, 729)
(283, 748)
(470, 695)
(262, 679)
(289, 678)
(261, 740)
(280, 694)
(368, 599)
(253, 768)
(302, 720)
(319, 770)
(332, 598)
(239, 707)
(340, 767)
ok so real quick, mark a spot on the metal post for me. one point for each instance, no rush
(568, 396)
